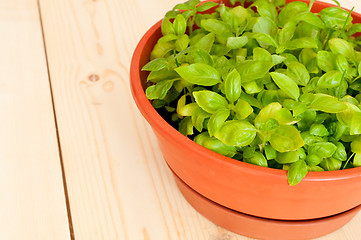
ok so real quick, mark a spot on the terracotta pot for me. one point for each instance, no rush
(242, 187)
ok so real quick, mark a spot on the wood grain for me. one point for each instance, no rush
(119, 186)
(32, 202)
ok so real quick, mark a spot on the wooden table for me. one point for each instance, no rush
(78, 160)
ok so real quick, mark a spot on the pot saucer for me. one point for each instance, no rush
(263, 228)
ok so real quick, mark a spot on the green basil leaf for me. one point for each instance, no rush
(270, 111)
(286, 33)
(187, 109)
(218, 27)
(277, 59)
(182, 43)
(340, 153)
(164, 74)
(271, 124)
(265, 25)
(313, 159)
(257, 159)
(180, 25)
(326, 61)
(284, 117)
(210, 101)
(346, 116)
(354, 29)
(290, 10)
(167, 27)
(201, 56)
(301, 153)
(261, 54)
(319, 130)
(161, 49)
(266, 9)
(238, 16)
(287, 157)
(186, 126)
(253, 87)
(298, 72)
(303, 42)
(315, 169)
(236, 133)
(217, 119)
(296, 172)
(268, 96)
(355, 127)
(172, 14)
(356, 145)
(232, 86)
(322, 149)
(206, 6)
(286, 84)
(182, 6)
(251, 100)
(342, 64)
(199, 73)
(251, 70)
(289, 58)
(159, 90)
(219, 50)
(264, 38)
(335, 17)
(198, 117)
(215, 145)
(310, 18)
(155, 65)
(330, 79)
(248, 152)
(341, 46)
(242, 109)
(206, 42)
(270, 152)
(286, 138)
(299, 108)
(357, 160)
(236, 42)
(327, 103)
(331, 164)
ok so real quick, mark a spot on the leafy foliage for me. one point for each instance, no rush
(277, 87)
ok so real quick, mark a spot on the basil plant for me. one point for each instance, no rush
(271, 84)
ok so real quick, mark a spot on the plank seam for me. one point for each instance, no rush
(70, 221)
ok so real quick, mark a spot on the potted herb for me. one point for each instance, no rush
(265, 84)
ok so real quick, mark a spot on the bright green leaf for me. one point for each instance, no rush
(355, 127)
(296, 172)
(210, 101)
(236, 42)
(286, 138)
(286, 84)
(242, 109)
(236, 133)
(298, 72)
(330, 79)
(199, 73)
(287, 157)
(217, 119)
(322, 149)
(215, 145)
(327, 103)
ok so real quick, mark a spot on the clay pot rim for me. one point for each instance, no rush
(160, 125)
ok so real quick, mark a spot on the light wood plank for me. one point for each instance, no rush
(32, 203)
(119, 186)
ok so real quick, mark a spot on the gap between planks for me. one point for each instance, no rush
(70, 221)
